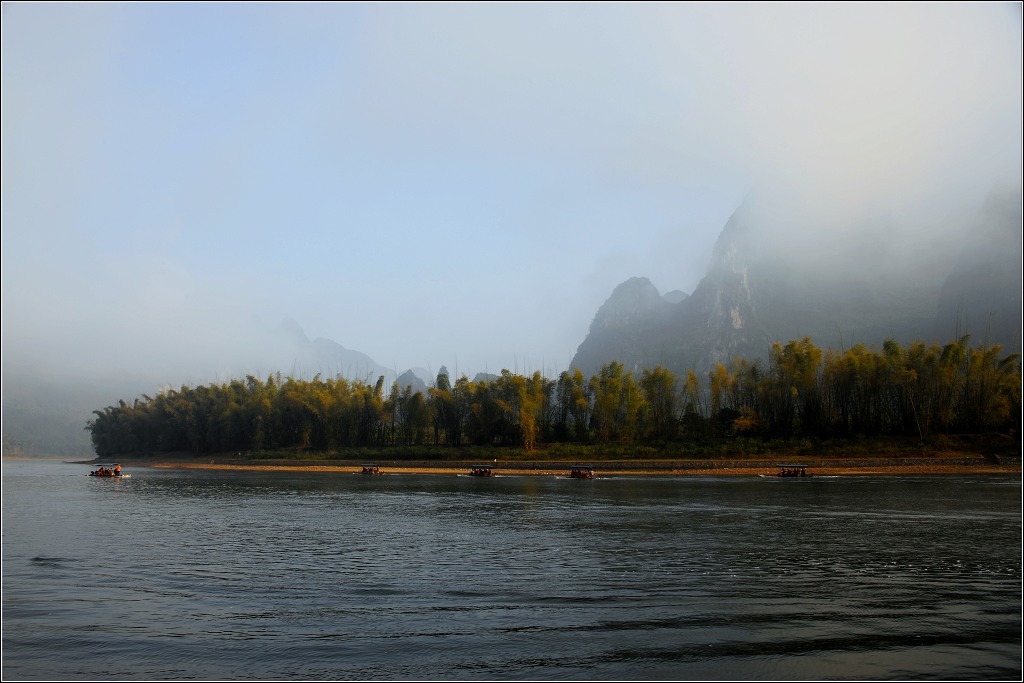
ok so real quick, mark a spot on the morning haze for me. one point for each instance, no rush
(459, 185)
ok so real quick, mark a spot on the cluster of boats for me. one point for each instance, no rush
(587, 471)
(575, 472)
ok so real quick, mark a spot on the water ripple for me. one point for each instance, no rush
(255, 576)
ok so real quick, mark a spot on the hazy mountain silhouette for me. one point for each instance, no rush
(982, 295)
(762, 288)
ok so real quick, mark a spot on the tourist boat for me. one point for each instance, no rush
(581, 472)
(112, 471)
(791, 470)
(371, 469)
(481, 471)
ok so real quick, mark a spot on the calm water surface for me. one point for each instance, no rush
(177, 574)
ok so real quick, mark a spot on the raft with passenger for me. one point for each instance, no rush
(581, 472)
(112, 471)
(789, 470)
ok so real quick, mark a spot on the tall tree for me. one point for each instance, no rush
(659, 388)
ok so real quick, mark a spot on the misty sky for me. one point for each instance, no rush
(449, 184)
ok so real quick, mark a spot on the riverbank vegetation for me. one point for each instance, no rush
(802, 395)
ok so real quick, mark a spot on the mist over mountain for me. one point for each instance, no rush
(982, 294)
(776, 273)
(46, 412)
(784, 270)
(327, 358)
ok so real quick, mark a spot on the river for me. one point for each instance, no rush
(219, 575)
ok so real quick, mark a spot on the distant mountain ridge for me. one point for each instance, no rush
(48, 417)
(756, 293)
(327, 357)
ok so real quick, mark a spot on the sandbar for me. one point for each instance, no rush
(951, 465)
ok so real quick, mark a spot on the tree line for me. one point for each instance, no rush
(800, 390)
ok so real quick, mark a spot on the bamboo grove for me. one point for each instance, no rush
(801, 390)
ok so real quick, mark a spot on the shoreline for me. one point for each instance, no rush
(599, 473)
(951, 464)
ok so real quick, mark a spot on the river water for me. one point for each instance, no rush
(185, 574)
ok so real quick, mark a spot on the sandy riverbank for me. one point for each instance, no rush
(730, 471)
(951, 464)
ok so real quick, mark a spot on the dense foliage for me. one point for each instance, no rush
(801, 391)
